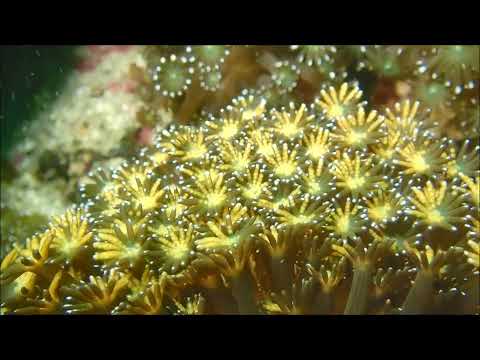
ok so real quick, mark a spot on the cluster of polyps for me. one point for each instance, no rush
(304, 209)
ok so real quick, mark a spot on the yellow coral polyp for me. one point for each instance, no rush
(148, 198)
(337, 104)
(403, 118)
(355, 183)
(263, 143)
(193, 306)
(161, 229)
(48, 302)
(359, 130)
(220, 240)
(186, 144)
(435, 207)
(435, 217)
(345, 222)
(418, 164)
(342, 226)
(195, 151)
(284, 163)
(72, 233)
(159, 158)
(316, 180)
(173, 196)
(122, 244)
(117, 252)
(215, 200)
(335, 111)
(204, 170)
(150, 302)
(133, 177)
(227, 231)
(178, 251)
(356, 137)
(355, 175)
(236, 157)
(380, 213)
(384, 206)
(317, 146)
(211, 195)
(474, 253)
(285, 169)
(314, 187)
(473, 188)
(291, 124)
(277, 241)
(329, 277)
(99, 295)
(252, 184)
(228, 131)
(253, 191)
(251, 108)
(306, 210)
(173, 249)
(19, 288)
(34, 257)
(227, 127)
(386, 148)
(421, 158)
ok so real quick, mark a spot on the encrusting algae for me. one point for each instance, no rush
(321, 208)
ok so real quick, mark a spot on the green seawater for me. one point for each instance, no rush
(30, 79)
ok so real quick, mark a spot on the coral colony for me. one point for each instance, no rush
(277, 188)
